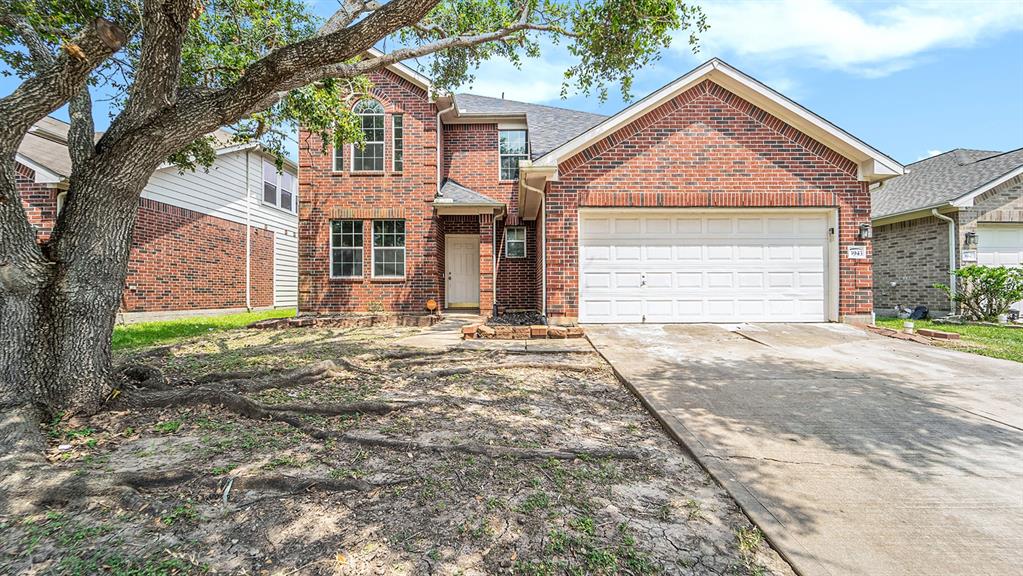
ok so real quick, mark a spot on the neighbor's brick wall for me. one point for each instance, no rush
(705, 148)
(179, 259)
(184, 260)
(910, 257)
(407, 195)
(38, 200)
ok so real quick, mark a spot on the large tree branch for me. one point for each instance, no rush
(55, 83)
(158, 71)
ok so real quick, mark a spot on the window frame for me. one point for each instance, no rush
(374, 248)
(508, 241)
(397, 143)
(361, 248)
(278, 184)
(502, 155)
(382, 142)
(337, 157)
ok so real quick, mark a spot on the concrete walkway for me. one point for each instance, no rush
(855, 454)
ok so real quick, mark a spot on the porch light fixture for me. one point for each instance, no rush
(866, 232)
(970, 240)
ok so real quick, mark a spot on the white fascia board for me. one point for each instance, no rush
(915, 213)
(966, 200)
(43, 175)
(874, 164)
(404, 71)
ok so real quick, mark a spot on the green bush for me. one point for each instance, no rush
(984, 292)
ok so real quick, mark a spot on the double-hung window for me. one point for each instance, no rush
(513, 146)
(339, 157)
(279, 188)
(346, 248)
(369, 157)
(388, 248)
(515, 242)
(398, 144)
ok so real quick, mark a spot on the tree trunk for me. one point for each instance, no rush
(58, 320)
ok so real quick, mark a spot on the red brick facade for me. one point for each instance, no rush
(179, 259)
(340, 195)
(183, 260)
(705, 148)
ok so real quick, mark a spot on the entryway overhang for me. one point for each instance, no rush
(453, 199)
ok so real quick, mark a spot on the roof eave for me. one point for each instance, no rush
(43, 174)
(404, 71)
(966, 200)
(915, 213)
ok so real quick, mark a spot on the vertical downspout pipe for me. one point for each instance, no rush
(951, 258)
(248, 236)
(542, 229)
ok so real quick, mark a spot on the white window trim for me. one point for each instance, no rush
(59, 203)
(500, 156)
(394, 143)
(525, 243)
(278, 185)
(373, 251)
(361, 249)
(383, 143)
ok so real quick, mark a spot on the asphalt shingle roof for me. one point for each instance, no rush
(940, 179)
(452, 192)
(549, 126)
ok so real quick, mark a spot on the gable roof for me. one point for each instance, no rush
(452, 192)
(549, 126)
(873, 165)
(950, 178)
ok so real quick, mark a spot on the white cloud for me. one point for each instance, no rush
(929, 154)
(539, 80)
(859, 38)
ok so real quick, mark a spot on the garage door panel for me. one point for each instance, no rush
(1000, 245)
(703, 268)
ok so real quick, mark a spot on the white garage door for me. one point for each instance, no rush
(682, 266)
(1000, 245)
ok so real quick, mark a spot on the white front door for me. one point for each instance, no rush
(691, 266)
(1000, 245)
(462, 270)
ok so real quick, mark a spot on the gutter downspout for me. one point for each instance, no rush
(542, 230)
(440, 140)
(497, 251)
(951, 257)
(248, 237)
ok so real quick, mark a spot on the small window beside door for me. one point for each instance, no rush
(515, 242)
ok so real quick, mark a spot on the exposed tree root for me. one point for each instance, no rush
(494, 452)
(368, 407)
(445, 372)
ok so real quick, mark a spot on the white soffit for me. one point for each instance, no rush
(873, 165)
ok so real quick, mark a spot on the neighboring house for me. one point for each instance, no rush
(714, 199)
(957, 208)
(190, 252)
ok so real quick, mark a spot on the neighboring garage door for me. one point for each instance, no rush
(684, 266)
(1000, 245)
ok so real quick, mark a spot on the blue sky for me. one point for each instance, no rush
(910, 78)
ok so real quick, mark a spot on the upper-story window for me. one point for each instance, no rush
(513, 146)
(398, 138)
(370, 156)
(278, 188)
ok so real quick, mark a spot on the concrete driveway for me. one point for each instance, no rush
(854, 453)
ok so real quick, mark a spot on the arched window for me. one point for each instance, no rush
(370, 156)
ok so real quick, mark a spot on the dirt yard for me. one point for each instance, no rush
(318, 451)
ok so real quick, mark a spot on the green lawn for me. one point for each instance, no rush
(991, 341)
(150, 333)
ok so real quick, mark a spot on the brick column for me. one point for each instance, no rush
(486, 264)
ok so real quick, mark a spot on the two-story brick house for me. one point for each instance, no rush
(713, 199)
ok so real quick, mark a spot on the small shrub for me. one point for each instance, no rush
(984, 292)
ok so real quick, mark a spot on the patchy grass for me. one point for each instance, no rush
(994, 341)
(151, 333)
(419, 510)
